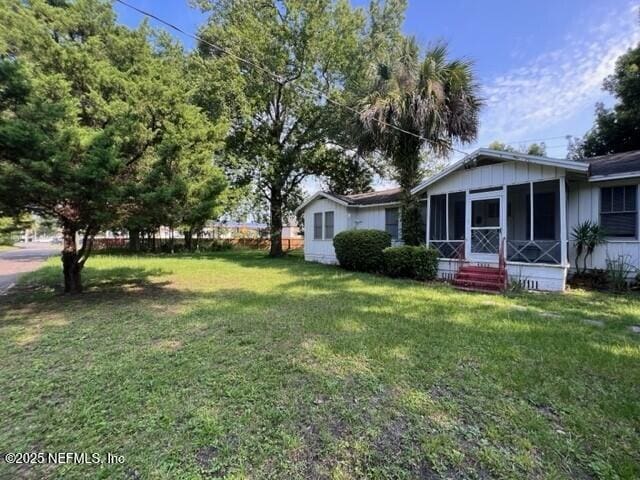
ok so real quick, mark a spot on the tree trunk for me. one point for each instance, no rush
(408, 169)
(71, 266)
(410, 219)
(586, 257)
(134, 239)
(275, 229)
(188, 240)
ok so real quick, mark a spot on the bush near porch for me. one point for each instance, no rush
(361, 250)
(234, 365)
(407, 261)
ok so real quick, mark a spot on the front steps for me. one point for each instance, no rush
(480, 279)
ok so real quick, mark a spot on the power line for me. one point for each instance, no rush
(539, 139)
(276, 78)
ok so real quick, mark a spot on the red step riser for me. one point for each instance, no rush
(480, 270)
(480, 276)
(481, 279)
(479, 285)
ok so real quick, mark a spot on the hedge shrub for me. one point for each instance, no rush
(411, 262)
(361, 250)
(398, 261)
(425, 262)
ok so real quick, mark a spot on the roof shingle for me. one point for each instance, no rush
(371, 198)
(616, 163)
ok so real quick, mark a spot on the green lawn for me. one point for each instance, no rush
(234, 365)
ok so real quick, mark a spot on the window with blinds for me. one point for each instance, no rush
(619, 211)
(317, 226)
(391, 222)
(328, 225)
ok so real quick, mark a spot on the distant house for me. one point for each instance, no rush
(495, 208)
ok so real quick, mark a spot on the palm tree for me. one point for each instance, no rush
(431, 103)
(587, 236)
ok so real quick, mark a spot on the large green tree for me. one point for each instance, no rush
(416, 104)
(617, 129)
(288, 130)
(88, 108)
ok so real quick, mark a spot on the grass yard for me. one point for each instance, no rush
(233, 365)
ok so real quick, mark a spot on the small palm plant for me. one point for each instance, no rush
(587, 236)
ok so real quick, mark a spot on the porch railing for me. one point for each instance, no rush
(534, 251)
(453, 249)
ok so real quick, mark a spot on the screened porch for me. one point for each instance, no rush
(527, 217)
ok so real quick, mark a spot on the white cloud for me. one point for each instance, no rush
(558, 84)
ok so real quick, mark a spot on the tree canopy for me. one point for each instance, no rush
(416, 104)
(289, 130)
(90, 113)
(536, 149)
(617, 129)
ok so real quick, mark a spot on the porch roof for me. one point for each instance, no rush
(486, 153)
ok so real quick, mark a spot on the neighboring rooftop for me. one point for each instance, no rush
(371, 198)
(614, 164)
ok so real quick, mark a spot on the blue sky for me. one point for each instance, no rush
(540, 63)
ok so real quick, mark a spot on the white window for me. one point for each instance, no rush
(317, 226)
(391, 222)
(619, 211)
(328, 225)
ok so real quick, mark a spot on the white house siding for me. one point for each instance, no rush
(345, 218)
(584, 204)
(322, 250)
(371, 218)
(507, 173)
(533, 276)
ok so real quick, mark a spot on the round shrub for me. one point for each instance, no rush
(361, 250)
(398, 261)
(425, 262)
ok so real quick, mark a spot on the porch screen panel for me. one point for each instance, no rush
(542, 245)
(518, 212)
(456, 215)
(438, 226)
(546, 210)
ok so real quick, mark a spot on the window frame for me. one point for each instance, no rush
(317, 215)
(397, 224)
(624, 210)
(333, 223)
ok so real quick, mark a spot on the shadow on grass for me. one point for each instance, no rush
(333, 369)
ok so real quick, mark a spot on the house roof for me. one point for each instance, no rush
(380, 197)
(390, 195)
(487, 153)
(616, 165)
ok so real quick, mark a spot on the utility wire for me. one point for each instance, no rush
(276, 78)
(564, 137)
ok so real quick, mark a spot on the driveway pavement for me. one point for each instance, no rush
(14, 263)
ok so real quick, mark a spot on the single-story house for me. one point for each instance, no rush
(495, 209)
